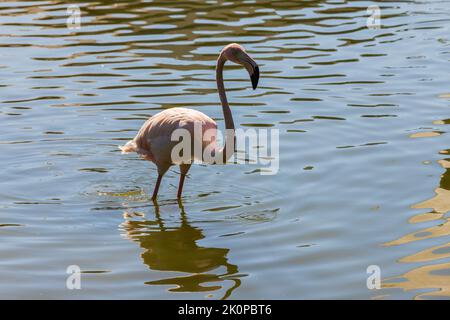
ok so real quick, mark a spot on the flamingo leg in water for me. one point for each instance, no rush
(180, 185)
(155, 191)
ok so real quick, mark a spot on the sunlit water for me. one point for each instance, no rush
(364, 176)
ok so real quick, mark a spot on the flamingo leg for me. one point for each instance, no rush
(155, 191)
(180, 185)
(184, 168)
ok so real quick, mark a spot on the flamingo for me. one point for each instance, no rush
(154, 142)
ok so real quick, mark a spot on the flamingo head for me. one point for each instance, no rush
(236, 53)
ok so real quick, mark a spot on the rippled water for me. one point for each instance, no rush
(364, 175)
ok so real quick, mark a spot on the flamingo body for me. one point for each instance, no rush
(154, 140)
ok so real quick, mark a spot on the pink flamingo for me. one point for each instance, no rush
(153, 141)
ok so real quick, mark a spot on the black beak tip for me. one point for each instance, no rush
(255, 77)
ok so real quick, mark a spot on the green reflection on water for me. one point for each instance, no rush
(176, 249)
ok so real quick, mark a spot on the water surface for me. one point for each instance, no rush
(364, 175)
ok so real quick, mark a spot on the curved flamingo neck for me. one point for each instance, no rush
(229, 124)
(228, 117)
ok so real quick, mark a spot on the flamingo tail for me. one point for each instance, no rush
(130, 146)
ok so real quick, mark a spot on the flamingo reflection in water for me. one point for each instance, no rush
(175, 248)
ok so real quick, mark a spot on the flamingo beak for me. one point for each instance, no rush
(252, 68)
(255, 76)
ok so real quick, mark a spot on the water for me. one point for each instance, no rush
(364, 165)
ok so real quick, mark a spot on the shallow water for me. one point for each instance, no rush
(364, 174)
